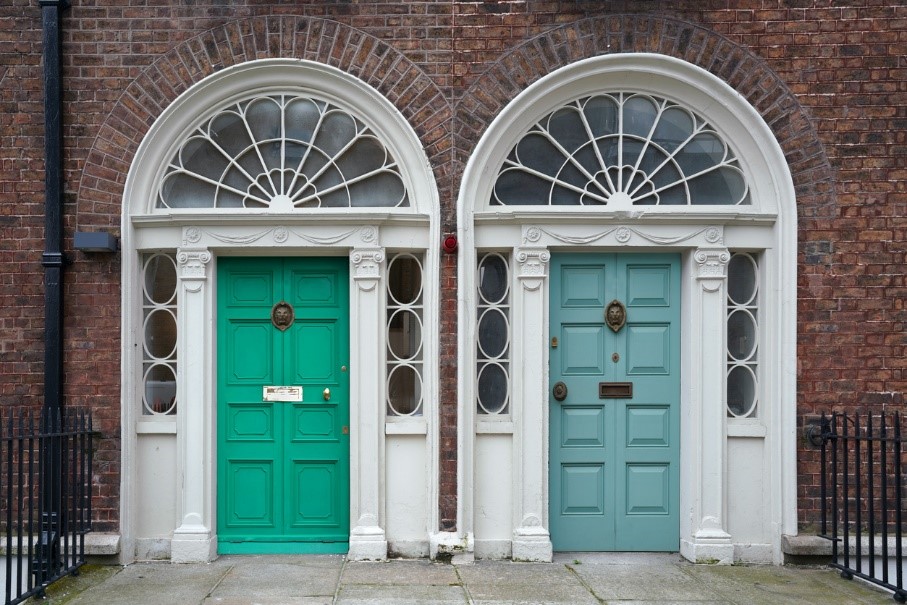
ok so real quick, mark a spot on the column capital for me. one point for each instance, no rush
(712, 264)
(532, 266)
(366, 266)
(193, 265)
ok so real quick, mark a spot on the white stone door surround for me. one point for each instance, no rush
(198, 237)
(703, 235)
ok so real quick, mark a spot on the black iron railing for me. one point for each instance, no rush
(863, 497)
(45, 510)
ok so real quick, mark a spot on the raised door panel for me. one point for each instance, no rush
(314, 290)
(582, 426)
(250, 495)
(315, 494)
(583, 286)
(582, 351)
(648, 349)
(252, 421)
(648, 285)
(315, 423)
(583, 489)
(647, 489)
(313, 352)
(648, 426)
(249, 350)
(249, 287)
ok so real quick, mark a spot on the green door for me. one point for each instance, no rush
(283, 465)
(614, 438)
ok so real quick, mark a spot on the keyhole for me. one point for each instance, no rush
(615, 357)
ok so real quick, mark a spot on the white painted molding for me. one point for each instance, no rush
(275, 236)
(531, 540)
(461, 549)
(407, 426)
(710, 541)
(368, 541)
(194, 540)
(622, 235)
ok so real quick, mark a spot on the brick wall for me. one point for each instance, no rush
(829, 79)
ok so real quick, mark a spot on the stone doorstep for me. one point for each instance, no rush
(811, 545)
(96, 544)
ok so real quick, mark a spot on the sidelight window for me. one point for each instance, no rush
(743, 335)
(159, 350)
(493, 335)
(405, 345)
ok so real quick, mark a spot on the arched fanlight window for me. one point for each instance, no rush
(621, 149)
(282, 152)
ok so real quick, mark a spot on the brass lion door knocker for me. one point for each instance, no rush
(615, 315)
(282, 315)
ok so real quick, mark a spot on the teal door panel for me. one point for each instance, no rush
(283, 467)
(614, 462)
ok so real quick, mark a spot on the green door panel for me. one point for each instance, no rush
(614, 463)
(283, 467)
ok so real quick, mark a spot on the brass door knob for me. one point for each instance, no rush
(327, 394)
(559, 391)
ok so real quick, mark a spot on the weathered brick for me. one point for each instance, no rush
(829, 81)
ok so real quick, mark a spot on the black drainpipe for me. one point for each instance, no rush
(53, 262)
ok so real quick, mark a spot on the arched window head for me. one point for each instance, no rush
(282, 152)
(621, 149)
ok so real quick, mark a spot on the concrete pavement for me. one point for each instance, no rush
(573, 579)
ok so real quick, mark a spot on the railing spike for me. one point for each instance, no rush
(889, 495)
(45, 547)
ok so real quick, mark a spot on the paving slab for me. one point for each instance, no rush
(91, 575)
(767, 585)
(613, 602)
(156, 584)
(618, 558)
(573, 579)
(269, 600)
(364, 594)
(523, 584)
(643, 583)
(280, 578)
(411, 573)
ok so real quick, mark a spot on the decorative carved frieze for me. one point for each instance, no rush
(270, 236)
(622, 235)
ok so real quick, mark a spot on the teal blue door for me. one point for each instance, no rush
(614, 438)
(283, 459)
